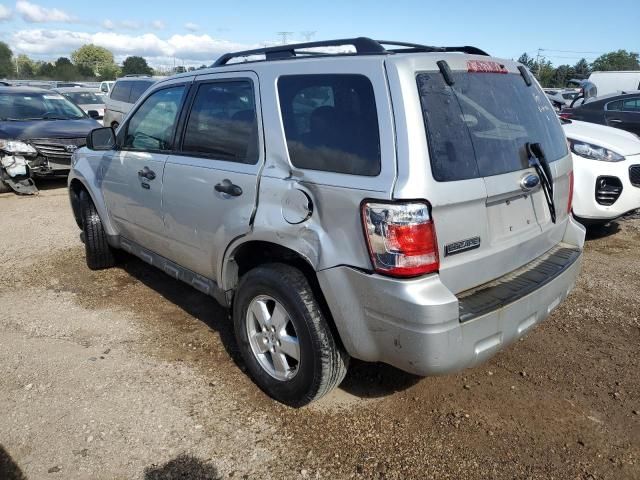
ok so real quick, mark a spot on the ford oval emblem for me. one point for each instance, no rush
(529, 182)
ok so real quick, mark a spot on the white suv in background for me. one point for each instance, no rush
(606, 164)
(125, 92)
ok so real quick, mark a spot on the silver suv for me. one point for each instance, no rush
(408, 204)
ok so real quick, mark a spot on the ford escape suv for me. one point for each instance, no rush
(397, 203)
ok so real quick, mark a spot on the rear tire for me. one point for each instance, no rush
(99, 254)
(321, 362)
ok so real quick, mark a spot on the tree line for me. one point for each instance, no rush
(88, 63)
(555, 77)
(93, 63)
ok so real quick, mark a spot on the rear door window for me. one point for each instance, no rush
(222, 124)
(479, 127)
(121, 91)
(631, 105)
(331, 123)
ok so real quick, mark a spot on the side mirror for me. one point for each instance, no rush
(101, 139)
(94, 114)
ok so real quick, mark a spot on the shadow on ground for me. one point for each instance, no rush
(375, 380)
(183, 467)
(51, 183)
(595, 232)
(9, 470)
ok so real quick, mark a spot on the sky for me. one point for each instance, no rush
(190, 32)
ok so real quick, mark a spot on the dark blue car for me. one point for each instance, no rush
(39, 131)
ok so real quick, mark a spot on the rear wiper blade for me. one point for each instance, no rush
(538, 160)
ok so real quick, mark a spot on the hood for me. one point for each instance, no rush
(613, 139)
(47, 129)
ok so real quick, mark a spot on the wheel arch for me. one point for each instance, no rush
(253, 253)
(78, 184)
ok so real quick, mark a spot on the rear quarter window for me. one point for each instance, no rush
(331, 123)
(479, 127)
(138, 87)
(121, 91)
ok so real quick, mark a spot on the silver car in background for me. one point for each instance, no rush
(124, 93)
(87, 99)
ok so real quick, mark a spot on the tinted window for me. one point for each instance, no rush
(83, 98)
(617, 105)
(331, 123)
(222, 123)
(631, 105)
(121, 91)
(479, 127)
(138, 87)
(151, 126)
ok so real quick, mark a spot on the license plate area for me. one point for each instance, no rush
(510, 216)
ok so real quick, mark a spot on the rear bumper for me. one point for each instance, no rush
(415, 325)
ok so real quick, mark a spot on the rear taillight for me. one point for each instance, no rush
(401, 238)
(570, 203)
(566, 115)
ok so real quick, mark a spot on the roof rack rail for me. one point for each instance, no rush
(362, 45)
(136, 75)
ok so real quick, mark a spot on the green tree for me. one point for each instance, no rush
(25, 67)
(91, 59)
(45, 70)
(527, 61)
(619, 60)
(136, 66)
(65, 70)
(7, 68)
(582, 69)
(108, 72)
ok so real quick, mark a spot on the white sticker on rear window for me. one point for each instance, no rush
(53, 97)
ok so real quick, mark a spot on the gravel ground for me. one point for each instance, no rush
(128, 374)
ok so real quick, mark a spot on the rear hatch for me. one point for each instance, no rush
(473, 118)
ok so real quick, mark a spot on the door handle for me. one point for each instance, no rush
(229, 188)
(147, 173)
(615, 120)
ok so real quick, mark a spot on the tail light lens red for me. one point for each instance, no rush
(401, 238)
(566, 115)
(570, 203)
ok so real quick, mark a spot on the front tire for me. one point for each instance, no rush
(284, 338)
(99, 254)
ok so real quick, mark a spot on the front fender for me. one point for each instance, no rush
(85, 169)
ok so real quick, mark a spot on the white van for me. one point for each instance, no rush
(615, 82)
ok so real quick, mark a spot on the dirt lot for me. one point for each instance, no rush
(128, 374)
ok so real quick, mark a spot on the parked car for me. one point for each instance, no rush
(86, 98)
(126, 91)
(561, 98)
(606, 164)
(408, 204)
(106, 87)
(39, 130)
(618, 111)
(615, 82)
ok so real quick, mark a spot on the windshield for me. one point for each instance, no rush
(479, 127)
(84, 98)
(22, 106)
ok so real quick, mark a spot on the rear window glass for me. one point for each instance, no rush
(479, 127)
(121, 91)
(138, 88)
(331, 123)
